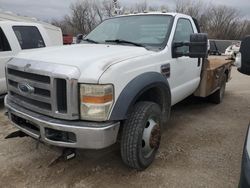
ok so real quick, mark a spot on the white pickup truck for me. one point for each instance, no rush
(119, 84)
(18, 36)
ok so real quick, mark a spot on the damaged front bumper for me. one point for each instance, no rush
(63, 133)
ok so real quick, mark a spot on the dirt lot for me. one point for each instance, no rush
(201, 147)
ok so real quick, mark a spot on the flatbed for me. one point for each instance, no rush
(213, 70)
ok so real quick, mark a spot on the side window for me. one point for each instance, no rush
(28, 37)
(4, 44)
(182, 34)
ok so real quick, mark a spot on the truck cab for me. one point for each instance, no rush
(118, 84)
(18, 36)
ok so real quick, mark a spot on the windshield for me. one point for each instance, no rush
(147, 30)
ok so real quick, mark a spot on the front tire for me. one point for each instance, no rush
(141, 135)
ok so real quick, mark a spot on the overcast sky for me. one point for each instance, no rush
(49, 9)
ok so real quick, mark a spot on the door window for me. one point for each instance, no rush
(182, 34)
(28, 37)
(4, 44)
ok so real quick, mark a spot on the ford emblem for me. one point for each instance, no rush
(25, 88)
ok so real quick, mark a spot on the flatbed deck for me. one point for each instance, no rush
(217, 61)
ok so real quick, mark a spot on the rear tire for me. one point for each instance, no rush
(218, 96)
(141, 135)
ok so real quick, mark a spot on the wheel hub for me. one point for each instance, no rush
(155, 137)
(151, 137)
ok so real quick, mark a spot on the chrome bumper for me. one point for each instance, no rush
(72, 134)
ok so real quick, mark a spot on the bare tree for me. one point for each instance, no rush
(108, 8)
(192, 8)
(99, 12)
(164, 8)
(246, 30)
(223, 22)
(80, 16)
(85, 15)
(220, 22)
(139, 7)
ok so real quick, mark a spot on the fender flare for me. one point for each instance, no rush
(135, 88)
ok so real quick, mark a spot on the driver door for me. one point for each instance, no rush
(187, 70)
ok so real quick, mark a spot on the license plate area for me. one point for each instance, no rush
(26, 124)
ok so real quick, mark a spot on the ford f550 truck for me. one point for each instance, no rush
(119, 84)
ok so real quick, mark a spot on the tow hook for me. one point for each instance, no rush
(16, 134)
(67, 154)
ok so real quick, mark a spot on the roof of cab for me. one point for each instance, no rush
(153, 13)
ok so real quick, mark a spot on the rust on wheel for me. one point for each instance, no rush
(151, 137)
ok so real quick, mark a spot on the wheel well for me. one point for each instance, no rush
(155, 95)
(159, 96)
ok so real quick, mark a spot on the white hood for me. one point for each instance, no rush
(91, 59)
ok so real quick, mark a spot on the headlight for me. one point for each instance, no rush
(96, 101)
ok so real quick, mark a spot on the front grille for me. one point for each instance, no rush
(45, 92)
(31, 76)
(37, 91)
(43, 105)
(61, 95)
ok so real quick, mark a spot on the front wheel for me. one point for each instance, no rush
(141, 135)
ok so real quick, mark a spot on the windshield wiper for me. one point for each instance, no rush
(90, 40)
(119, 41)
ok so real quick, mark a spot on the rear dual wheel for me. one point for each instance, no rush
(141, 135)
(218, 96)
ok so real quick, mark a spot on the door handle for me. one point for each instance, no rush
(165, 70)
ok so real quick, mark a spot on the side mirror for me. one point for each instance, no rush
(198, 46)
(79, 38)
(245, 56)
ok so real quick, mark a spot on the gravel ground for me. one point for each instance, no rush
(201, 147)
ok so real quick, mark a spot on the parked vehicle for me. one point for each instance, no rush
(18, 36)
(120, 83)
(67, 39)
(244, 67)
(213, 49)
(233, 50)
